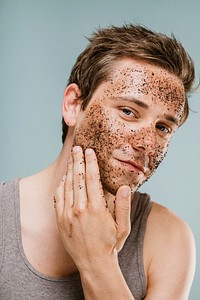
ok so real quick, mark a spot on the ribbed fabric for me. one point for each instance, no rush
(20, 281)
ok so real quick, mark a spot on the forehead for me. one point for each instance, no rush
(146, 82)
(147, 77)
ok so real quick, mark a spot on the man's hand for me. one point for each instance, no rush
(89, 232)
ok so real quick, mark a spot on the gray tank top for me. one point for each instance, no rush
(20, 281)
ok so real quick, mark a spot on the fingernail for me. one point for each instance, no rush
(88, 151)
(76, 149)
(126, 192)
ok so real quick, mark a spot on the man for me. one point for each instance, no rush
(126, 97)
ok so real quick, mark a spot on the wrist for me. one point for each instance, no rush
(100, 266)
(105, 281)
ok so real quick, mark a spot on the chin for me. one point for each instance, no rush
(112, 187)
(112, 178)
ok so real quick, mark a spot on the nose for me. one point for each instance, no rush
(145, 140)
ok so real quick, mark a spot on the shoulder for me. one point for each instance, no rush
(165, 224)
(169, 252)
(166, 218)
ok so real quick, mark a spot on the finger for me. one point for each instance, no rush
(80, 198)
(68, 194)
(93, 182)
(59, 199)
(122, 214)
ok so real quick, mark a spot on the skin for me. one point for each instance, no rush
(81, 216)
(129, 122)
(118, 129)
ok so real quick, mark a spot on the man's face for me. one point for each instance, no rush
(130, 121)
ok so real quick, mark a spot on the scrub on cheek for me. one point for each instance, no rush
(96, 131)
(113, 142)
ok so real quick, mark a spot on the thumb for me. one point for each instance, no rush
(122, 215)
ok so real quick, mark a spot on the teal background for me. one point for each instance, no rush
(39, 42)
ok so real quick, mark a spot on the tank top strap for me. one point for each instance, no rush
(1, 224)
(9, 209)
(131, 256)
(140, 209)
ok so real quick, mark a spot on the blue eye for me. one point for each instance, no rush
(128, 114)
(127, 111)
(163, 128)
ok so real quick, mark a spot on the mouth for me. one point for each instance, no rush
(133, 166)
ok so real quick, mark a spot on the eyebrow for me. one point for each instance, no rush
(172, 119)
(135, 100)
(146, 106)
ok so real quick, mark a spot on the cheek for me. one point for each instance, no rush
(98, 131)
(160, 153)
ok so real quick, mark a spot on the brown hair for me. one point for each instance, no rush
(107, 45)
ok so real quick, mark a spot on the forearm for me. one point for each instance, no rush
(105, 281)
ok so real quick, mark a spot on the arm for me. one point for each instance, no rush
(171, 251)
(105, 281)
(90, 234)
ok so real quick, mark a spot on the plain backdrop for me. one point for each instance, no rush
(39, 42)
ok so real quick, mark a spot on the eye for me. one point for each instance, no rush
(164, 129)
(128, 113)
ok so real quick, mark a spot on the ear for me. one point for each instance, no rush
(71, 104)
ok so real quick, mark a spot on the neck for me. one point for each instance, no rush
(47, 181)
(59, 168)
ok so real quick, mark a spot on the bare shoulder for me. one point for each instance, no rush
(165, 217)
(165, 224)
(169, 252)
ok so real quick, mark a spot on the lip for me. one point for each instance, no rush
(133, 165)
